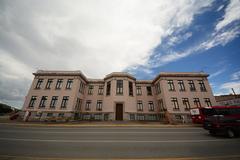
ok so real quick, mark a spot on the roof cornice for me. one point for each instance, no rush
(60, 73)
(180, 74)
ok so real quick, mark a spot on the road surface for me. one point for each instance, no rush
(114, 142)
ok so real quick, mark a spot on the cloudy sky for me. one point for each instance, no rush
(97, 37)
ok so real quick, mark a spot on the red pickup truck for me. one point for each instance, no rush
(225, 119)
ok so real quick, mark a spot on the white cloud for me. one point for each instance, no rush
(220, 8)
(215, 74)
(94, 36)
(178, 38)
(232, 13)
(91, 34)
(235, 76)
(218, 37)
(10, 68)
(229, 85)
(221, 38)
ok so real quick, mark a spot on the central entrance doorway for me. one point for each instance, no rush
(119, 112)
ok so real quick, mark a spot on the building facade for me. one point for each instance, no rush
(228, 100)
(119, 96)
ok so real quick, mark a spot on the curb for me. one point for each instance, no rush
(101, 125)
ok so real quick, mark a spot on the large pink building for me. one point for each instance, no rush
(119, 96)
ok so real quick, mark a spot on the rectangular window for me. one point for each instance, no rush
(171, 85)
(150, 106)
(99, 105)
(64, 101)
(208, 102)
(39, 83)
(139, 90)
(59, 84)
(149, 90)
(108, 88)
(160, 105)
(88, 105)
(32, 101)
(157, 88)
(175, 103)
(139, 106)
(43, 102)
(49, 82)
(181, 85)
(90, 90)
(191, 85)
(130, 87)
(98, 116)
(151, 117)
(132, 117)
(186, 103)
(196, 102)
(202, 86)
(69, 83)
(60, 114)
(49, 114)
(78, 104)
(100, 90)
(140, 117)
(119, 87)
(53, 101)
(81, 87)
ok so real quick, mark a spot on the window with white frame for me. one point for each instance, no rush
(181, 85)
(90, 90)
(202, 86)
(157, 88)
(130, 88)
(49, 82)
(32, 101)
(208, 102)
(100, 90)
(88, 105)
(53, 101)
(171, 85)
(43, 102)
(139, 105)
(175, 103)
(191, 85)
(99, 105)
(69, 83)
(196, 102)
(139, 90)
(64, 101)
(108, 88)
(81, 87)
(39, 83)
(119, 89)
(59, 83)
(150, 106)
(186, 103)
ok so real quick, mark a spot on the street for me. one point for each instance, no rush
(114, 142)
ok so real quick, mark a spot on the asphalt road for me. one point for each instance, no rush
(114, 142)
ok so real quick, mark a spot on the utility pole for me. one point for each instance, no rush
(234, 92)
